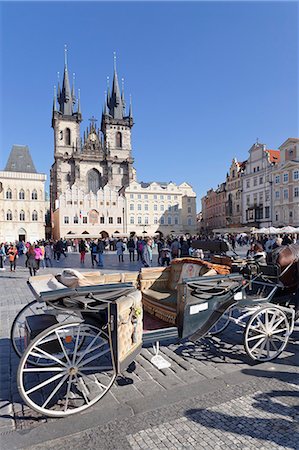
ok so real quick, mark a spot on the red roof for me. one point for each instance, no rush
(274, 155)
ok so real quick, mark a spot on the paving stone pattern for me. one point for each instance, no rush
(207, 360)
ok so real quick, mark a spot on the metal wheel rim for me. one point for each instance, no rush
(17, 333)
(70, 378)
(266, 334)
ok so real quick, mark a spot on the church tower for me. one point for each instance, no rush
(116, 128)
(66, 126)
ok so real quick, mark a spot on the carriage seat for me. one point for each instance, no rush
(161, 287)
(73, 279)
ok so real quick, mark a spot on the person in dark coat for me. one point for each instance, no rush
(147, 253)
(31, 262)
(131, 247)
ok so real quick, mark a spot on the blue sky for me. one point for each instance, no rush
(206, 78)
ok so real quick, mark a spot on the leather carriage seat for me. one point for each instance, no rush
(159, 286)
(73, 278)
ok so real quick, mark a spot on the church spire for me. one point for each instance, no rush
(65, 98)
(73, 91)
(79, 103)
(115, 104)
(123, 95)
(54, 100)
(131, 109)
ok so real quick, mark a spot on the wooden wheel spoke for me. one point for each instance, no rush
(277, 323)
(92, 358)
(258, 344)
(62, 347)
(258, 336)
(88, 348)
(68, 392)
(48, 355)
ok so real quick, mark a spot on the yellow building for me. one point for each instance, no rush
(164, 207)
(22, 198)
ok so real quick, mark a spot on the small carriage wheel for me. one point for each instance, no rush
(266, 334)
(222, 323)
(79, 376)
(18, 335)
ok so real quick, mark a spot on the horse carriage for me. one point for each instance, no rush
(84, 329)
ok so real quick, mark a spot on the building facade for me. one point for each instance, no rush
(78, 213)
(285, 196)
(214, 209)
(233, 205)
(257, 186)
(22, 198)
(104, 156)
(160, 207)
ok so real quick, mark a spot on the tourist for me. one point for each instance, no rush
(42, 258)
(286, 240)
(100, 250)
(48, 254)
(131, 247)
(184, 247)
(259, 255)
(12, 256)
(38, 255)
(2, 256)
(120, 250)
(82, 251)
(31, 261)
(164, 255)
(175, 248)
(94, 251)
(147, 253)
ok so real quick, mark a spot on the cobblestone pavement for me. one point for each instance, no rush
(209, 365)
(263, 414)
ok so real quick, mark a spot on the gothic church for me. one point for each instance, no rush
(104, 156)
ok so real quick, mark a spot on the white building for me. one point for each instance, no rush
(22, 198)
(286, 185)
(100, 214)
(257, 186)
(163, 207)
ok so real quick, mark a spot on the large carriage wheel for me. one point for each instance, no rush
(266, 334)
(222, 323)
(79, 376)
(18, 334)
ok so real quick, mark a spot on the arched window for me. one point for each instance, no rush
(8, 194)
(9, 215)
(34, 194)
(22, 215)
(22, 194)
(34, 216)
(93, 180)
(67, 136)
(119, 139)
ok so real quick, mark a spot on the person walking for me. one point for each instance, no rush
(147, 253)
(94, 251)
(120, 250)
(31, 261)
(175, 248)
(12, 256)
(82, 251)
(100, 250)
(2, 256)
(165, 254)
(131, 247)
(38, 255)
(48, 254)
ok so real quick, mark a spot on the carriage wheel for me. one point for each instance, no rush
(266, 334)
(222, 323)
(18, 332)
(79, 376)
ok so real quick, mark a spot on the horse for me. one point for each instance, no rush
(287, 258)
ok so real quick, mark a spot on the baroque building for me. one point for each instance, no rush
(285, 209)
(257, 186)
(234, 193)
(103, 156)
(22, 198)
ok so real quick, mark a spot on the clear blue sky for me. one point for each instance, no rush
(206, 79)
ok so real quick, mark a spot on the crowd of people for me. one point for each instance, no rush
(43, 253)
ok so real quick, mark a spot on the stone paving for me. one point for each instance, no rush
(191, 365)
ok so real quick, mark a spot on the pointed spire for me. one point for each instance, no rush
(73, 91)
(58, 86)
(131, 109)
(108, 91)
(54, 100)
(123, 95)
(79, 102)
(115, 104)
(66, 96)
(105, 111)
